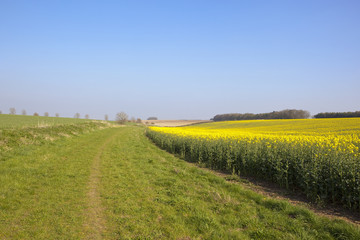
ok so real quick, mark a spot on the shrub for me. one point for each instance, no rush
(121, 118)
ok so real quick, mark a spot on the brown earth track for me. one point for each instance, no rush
(172, 123)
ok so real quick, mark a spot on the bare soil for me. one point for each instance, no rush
(172, 123)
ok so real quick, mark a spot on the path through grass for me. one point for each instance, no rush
(43, 188)
(115, 184)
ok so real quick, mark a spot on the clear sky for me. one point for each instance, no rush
(185, 59)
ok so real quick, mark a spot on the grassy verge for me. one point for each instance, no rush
(20, 121)
(19, 139)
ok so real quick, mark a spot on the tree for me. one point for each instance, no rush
(121, 118)
(77, 115)
(46, 114)
(0, 112)
(133, 119)
(284, 114)
(36, 114)
(57, 115)
(23, 112)
(138, 120)
(337, 114)
(106, 117)
(12, 111)
(87, 116)
(152, 118)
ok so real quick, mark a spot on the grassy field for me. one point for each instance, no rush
(113, 183)
(23, 133)
(318, 157)
(18, 121)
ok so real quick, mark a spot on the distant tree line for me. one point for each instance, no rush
(284, 114)
(121, 117)
(337, 114)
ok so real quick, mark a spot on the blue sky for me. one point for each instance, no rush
(179, 59)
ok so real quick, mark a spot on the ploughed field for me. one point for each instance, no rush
(172, 123)
(93, 180)
(319, 157)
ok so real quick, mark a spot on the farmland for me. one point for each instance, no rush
(319, 157)
(92, 180)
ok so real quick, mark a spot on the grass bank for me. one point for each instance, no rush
(19, 121)
(19, 139)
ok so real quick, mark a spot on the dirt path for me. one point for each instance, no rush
(95, 223)
(172, 123)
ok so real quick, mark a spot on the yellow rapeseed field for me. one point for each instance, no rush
(320, 157)
(340, 134)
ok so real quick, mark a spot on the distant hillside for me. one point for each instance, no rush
(284, 114)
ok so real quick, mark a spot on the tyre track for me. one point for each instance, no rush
(95, 223)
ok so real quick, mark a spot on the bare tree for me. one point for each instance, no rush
(12, 111)
(133, 119)
(138, 120)
(46, 114)
(106, 117)
(23, 112)
(57, 115)
(36, 114)
(87, 116)
(0, 112)
(77, 115)
(121, 118)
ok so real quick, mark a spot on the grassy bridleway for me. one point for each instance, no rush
(115, 184)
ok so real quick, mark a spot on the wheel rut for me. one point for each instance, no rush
(95, 223)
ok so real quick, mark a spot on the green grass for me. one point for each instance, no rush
(18, 139)
(43, 190)
(20, 121)
(145, 193)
